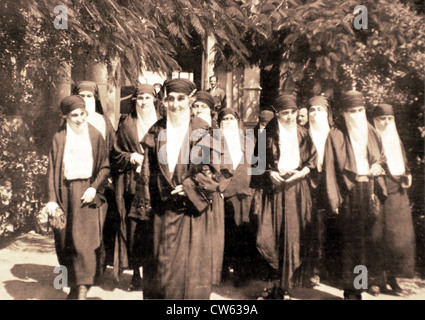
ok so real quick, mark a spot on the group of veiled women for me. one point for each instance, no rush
(183, 195)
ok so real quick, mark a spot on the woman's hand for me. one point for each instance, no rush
(88, 195)
(51, 208)
(276, 178)
(408, 183)
(298, 174)
(136, 159)
(376, 170)
(179, 190)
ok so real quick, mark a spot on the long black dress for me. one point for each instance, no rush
(183, 243)
(282, 231)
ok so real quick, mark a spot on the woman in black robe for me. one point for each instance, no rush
(399, 235)
(89, 91)
(77, 174)
(238, 194)
(133, 240)
(282, 231)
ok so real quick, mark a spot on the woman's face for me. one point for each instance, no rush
(177, 103)
(89, 99)
(200, 107)
(288, 116)
(145, 100)
(77, 118)
(317, 112)
(383, 121)
(356, 110)
(229, 121)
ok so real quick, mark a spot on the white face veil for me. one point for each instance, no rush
(230, 129)
(358, 131)
(146, 117)
(94, 118)
(392, 145)
(289, 147)
(319, 128)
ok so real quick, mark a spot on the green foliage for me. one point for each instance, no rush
(320, 50)
(22, 180)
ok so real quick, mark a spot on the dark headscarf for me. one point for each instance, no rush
(285, 101)
(226, 111)
(179, 85)
(322, 101)
(266, 115)
(382, 110)
(71, 103)
(144, 88)
(318, 101)
(351, 99)
(206, 98)
(92, 87)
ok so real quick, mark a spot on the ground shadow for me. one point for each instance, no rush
(33, 243)
(37, 283)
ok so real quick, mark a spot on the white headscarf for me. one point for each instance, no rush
(392, 147)
(289, 148)
(358, 132)
(319, 128)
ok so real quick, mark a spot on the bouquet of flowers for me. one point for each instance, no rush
(57, 220)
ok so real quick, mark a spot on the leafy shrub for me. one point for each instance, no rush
(22, 177)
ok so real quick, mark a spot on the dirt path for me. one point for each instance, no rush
(27, 273)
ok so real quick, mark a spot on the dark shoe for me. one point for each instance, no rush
(282, 294)
(352, 295)
(82, 292)
(136, 284)
(394, 285)
(73, 294)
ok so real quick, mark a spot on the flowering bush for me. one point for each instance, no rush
(22, 179)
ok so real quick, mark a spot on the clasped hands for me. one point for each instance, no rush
(178, 190)
(277, 178)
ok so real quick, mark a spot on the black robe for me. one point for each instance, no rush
(284, 225)
(399, 234)
(128, 183)
(78, 244)
(360, 218)
(183, 243)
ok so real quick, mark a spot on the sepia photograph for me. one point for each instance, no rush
(229, 151)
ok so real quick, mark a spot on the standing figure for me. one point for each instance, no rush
(218, 94)
(182, 185)
(257, 181)
(282, 231)
(133, 241)
(237, 147)
(78, 171)
(353, 167)
(89, 91)
(203, 108)
(399, 237)
(320, 122)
